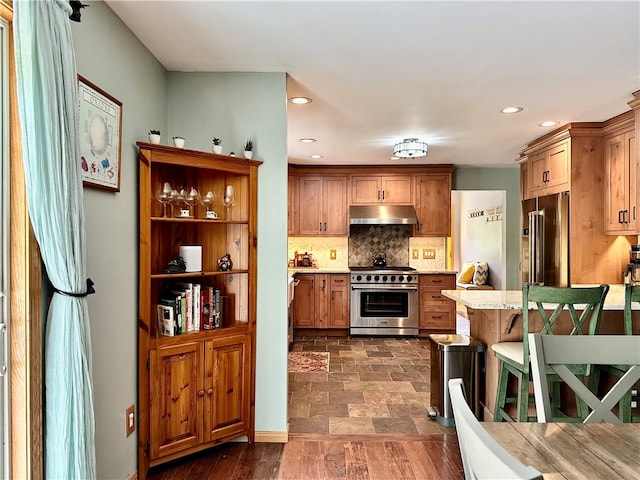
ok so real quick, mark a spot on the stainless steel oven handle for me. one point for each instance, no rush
(405, 288)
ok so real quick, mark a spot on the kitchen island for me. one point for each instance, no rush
(495, 316)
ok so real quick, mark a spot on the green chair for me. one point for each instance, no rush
(514, 356)
(631, 294)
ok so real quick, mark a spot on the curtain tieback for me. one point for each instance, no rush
(89, 291)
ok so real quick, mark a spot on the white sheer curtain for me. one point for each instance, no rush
(47, 101)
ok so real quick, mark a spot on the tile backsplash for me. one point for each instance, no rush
(367, 240)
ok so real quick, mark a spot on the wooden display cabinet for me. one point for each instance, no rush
(196, 389)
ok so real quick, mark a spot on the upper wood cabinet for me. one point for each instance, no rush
(433, 205)
(292, 205)
(620, 176)
(549, 170)
(372, 189)
(322, 205)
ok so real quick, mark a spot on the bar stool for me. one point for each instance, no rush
(514, 356)
(631, 294)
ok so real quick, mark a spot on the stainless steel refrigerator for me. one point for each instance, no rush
(545, 240)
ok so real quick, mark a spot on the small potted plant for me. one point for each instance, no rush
(178, 142)
(217, 145)
(154, 136)
(248, 149)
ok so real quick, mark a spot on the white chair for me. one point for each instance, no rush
(559, 351)
(482, 456)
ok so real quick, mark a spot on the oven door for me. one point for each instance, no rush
(378, 306)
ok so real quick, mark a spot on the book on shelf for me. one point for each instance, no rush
(217, 308)
(166, 319)
(187, 289)
(197, 307)
(206, 317)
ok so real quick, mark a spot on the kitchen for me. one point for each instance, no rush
(121, 50)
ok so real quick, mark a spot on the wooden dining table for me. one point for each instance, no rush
(573, 450)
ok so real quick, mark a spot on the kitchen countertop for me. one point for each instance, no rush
(512, 299)
(294, 270)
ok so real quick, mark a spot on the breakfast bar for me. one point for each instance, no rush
(495, 316)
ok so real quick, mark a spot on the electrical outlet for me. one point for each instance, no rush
(130, 418)
(415, 253)
(428, 253)
(332, 254)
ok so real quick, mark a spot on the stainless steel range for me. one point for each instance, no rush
(384, 301)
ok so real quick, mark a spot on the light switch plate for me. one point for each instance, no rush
(332, 254)
(415, 253)
(428, 253)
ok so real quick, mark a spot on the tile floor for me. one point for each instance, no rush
(374, 385)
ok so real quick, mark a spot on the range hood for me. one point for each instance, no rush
(382, 215)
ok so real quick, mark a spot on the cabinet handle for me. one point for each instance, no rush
(323, 282)
(436, 281)
(325, 226)
(332, 295)
(338, 280)
(436, 297)
(634, 212)
(436, 316)
(201, 393)
(210, 391)
(320, 227)
(382, 194)
(620, 216)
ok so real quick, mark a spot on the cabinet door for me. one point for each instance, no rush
(310, 205)
(339, 301)
(227, 386)
(558, 167)
(322, 300)
(433, 205)
(176, 398)
(292, 205)
(365, 190)
(538, 163)
(334, 212)
(304, 302)
(630, 141)
(397, 189)
(616, 186)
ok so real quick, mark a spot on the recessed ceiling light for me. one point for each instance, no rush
(394, 158)
(512, 109)
(315, 156)
(300, 100)
(307, 140)
(548, 123)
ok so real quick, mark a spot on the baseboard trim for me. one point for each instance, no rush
(271, 437)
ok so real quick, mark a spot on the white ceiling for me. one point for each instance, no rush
(381, 71)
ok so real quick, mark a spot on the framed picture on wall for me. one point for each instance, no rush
(100, 136)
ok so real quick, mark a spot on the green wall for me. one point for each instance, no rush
(508, 179)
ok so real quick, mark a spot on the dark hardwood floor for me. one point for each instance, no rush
(316, 457)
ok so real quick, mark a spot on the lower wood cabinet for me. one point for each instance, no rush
(437, 312)
(199, 394)
(321, 301)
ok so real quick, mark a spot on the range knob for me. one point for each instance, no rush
(376, 278)
(409, 278)
(359, 277)
(401, 278)
(393, 278)
(368, 278)
(384, 278)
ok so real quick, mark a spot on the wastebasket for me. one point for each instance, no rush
(454, 356)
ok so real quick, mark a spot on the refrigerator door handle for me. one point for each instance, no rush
(536, 245)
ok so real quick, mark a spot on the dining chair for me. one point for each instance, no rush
(514, 356)
(559, 352)
(482, 456)
(631, 294)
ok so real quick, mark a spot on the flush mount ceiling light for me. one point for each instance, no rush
(315, 156)
(307, 140)
(512, 110)
(300, 100)
(410, 148)
(548, 123)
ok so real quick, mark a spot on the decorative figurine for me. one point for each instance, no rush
(177, 265)
(225, 263)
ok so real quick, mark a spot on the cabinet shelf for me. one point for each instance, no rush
(236, 328)
(177, 276)
(198, 220)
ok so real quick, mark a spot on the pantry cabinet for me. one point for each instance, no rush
(322, 205)
(433, 205)
(321, 301)
(196, 351)
(372, 189)
(437, 312)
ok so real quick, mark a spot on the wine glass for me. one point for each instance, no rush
(177, 197)
(208, 201)
(163, 195)
(228, 200)
(191, 198)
